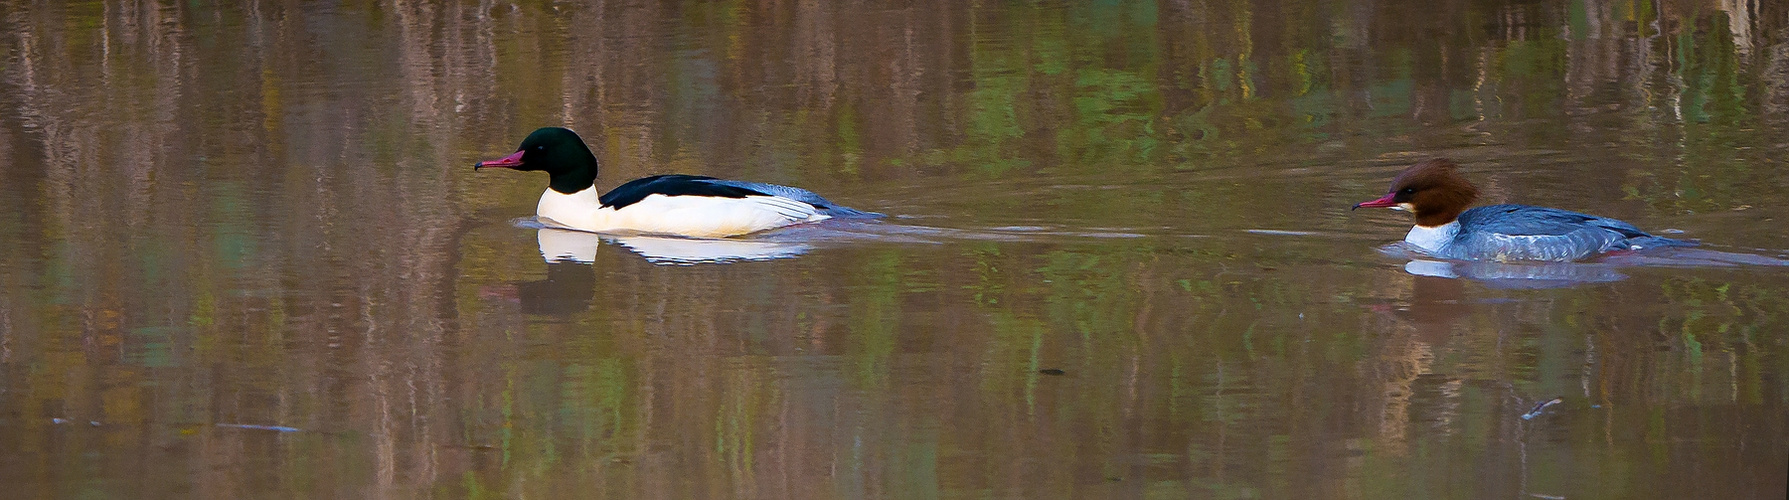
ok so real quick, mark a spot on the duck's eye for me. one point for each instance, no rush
(1407, 191)
(540, 148)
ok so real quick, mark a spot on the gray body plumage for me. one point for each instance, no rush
(1522, 232)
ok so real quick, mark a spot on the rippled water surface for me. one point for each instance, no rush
(243, 253)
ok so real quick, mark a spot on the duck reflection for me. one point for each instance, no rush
(559, 245)
(1506, 275)
(1526, 275)
(568, 289)
(570, 285)
(1537, 275)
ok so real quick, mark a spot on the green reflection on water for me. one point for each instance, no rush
(331, 265)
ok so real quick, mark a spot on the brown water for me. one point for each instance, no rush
(242, 254)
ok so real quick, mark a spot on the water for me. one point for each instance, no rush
(243, 253)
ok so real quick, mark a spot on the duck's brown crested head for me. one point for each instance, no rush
(1433, 191)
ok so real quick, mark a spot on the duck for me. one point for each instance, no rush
(691, 206)
(1437, 195)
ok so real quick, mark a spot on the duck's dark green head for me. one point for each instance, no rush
(557, 151)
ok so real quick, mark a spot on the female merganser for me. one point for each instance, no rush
(681, 205)
(1438, 196)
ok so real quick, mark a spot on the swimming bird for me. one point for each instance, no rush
(1436, 193)
(680, 205)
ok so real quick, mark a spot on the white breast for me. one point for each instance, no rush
(1431, 239)
(697, 216)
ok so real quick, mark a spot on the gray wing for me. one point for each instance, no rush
(802, 195)
(1522, 232)
(1528, 220)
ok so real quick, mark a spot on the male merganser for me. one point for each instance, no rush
(681, 205)
(1438, 196)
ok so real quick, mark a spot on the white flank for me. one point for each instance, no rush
(1430, 239)
(698, 216)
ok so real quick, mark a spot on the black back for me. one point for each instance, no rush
(671, 185)
(562, 154)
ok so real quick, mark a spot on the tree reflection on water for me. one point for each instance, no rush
(258, 214)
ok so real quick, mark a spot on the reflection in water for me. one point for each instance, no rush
(557, 245)
(255, 214)
(571, 280)
(561, 245)
(1566, 274)
(683, 251)
(567, 290)
(1518, 274)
